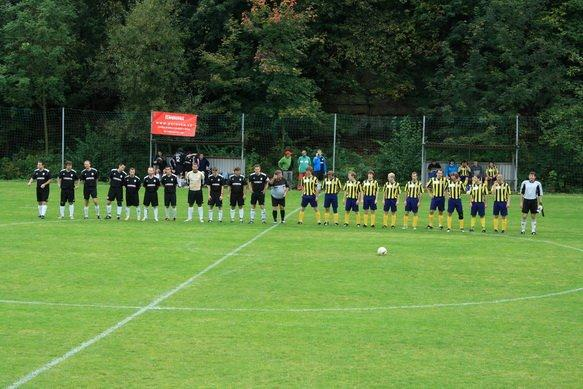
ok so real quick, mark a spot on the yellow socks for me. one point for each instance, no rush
(473, 222)
(405, 220)
(373, 219)
(336, 218)
(385, 219)
(357, 218)
(393, 220)
(461, 224)
(483, 222)
(318, 216)
(448, 222)
(430, 220)
(495, 223)
(415, 220)
(440, 218)
(346, 218)
(326, 216)
(504, 224)
(301, 217)
(365, 217)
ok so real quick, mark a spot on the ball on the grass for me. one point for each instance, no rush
(382, 251)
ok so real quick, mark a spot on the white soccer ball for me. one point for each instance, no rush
(382, 251)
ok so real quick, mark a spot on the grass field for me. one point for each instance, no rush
(286, 305)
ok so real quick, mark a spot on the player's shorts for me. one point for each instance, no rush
(132, 199)
(478, 208)
(150, 198)
(437, 203)
(170, 199)
(369, 202)
(195, 196)
(500, 208)
(42, 194)
(319, 175)
(530, 206)
(115, 194)
(67, 196)
(215, 200)
(390, 205)
(331, 199)
(351, 205)
(412, 204)
(277, 202)
(309, 200)
(257, 197)
(455, 205)
(237, 201)
(89, 192)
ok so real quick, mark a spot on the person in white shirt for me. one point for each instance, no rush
(531, 192)
(195, 179)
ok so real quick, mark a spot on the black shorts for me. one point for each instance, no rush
(67, 196)
(89, 192)
(115, 194)
(42, 194)
(257, 197)
(150, 198)
(215, 199)
(530, 206)
(237, 201)
(319, 175)
(170, 199)
(195, 196)
(276, 202)
(132, 199)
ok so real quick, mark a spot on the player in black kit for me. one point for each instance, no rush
(216, 184)
(116, 179)
(169, 182)
(89, 176)
(151, 185)
(258, 184)
(132, 184)
(42, 177)
(68, 182)
(237, 183)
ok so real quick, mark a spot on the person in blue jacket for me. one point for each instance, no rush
(451, 168)
(319, 165)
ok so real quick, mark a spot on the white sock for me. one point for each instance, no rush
(241, 213)
(263, 214)
(118, 211)
(211, 212)
(190, 211)
(128, 211)
(533, 225)
(167, 212)
(71, 210)
(174, 212)
(220, 215)
(522, 225)
(108, 209)
(145, 213)
(232, 213)
(62, 211)
(40, 212)
(97, 210)
(156, 213)
(43, 209)
(138, 211)
(86, 211)
(252, 214)
(200, 213)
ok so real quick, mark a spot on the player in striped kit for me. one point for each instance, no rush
(455, 189)
(478, 192)
(331, 186)
(370, 189)
(414, 191)
(352, 196)
(392, 190)
(501, 192)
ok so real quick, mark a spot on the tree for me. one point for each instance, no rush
(36, 54)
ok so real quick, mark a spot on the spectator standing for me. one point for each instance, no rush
(285, 164)
(319, 164)
(203, 165)
(432, 168)
(451, 168)
(477, 170)
(303, 163)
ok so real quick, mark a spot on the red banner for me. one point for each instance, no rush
(173, 124)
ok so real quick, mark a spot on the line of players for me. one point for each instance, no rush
(356, 194)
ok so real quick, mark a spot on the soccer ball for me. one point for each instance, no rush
(382, 251)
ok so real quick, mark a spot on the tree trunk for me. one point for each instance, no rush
(45, 124)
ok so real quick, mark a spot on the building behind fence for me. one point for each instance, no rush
(401, 144)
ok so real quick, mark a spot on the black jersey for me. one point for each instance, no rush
(237, 185)
(132, 184)
(170, 183)
(151, 184)
(68, 178)
(116, 178)
(258, 182)
(41, 176)
(215, 184)
(90, 177)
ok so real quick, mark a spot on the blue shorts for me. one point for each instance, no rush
(351, 205)
(500, 208)
(437, 203)
(478, 209)
(309, 199)
(369, 202)
(390, 205)
(412, 204)
(331, 200)
(455, 205)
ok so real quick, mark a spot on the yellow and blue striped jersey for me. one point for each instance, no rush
(392, 191)
(437, 186)
(414, 189)
(492, 172)
(464, 171)
(478, 193)
(370, 187)
(456, 189)
(352, 189)
(331, 186)
(501, 192)
(310, 185)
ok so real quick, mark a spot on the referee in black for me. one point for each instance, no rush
(531, 192)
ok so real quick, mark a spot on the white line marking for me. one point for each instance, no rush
(322, 309)
(152, 305)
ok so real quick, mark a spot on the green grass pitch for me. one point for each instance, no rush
(298, 306)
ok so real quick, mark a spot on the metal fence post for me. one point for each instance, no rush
(516, 157)
(62, 137)
(423, 173)
(334, 144)
(243, 141)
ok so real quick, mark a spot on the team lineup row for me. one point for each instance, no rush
(356, 194)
